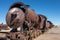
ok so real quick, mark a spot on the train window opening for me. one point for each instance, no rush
(13, 16)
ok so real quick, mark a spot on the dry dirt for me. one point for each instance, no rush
(52, 34)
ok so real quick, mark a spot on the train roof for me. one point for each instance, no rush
(17, 4)
(42, 15)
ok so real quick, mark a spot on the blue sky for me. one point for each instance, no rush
(49, 8)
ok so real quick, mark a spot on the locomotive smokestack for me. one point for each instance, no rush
(27, 6)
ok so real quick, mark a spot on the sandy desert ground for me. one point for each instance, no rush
(52, 34)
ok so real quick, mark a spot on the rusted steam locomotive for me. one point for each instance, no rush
(31, 24)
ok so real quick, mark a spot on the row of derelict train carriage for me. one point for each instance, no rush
(30, 24)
